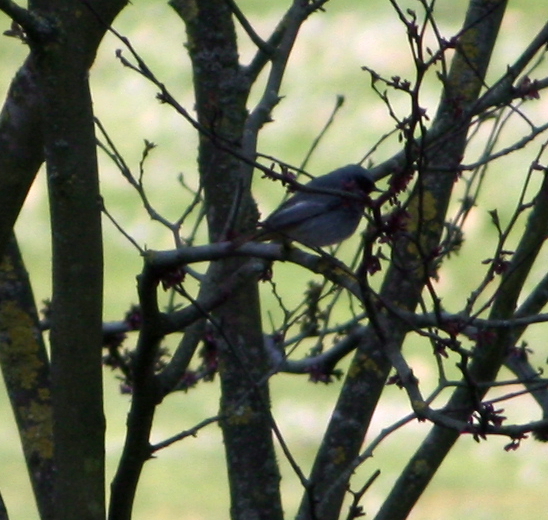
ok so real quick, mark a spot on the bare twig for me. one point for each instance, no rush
(192, 432)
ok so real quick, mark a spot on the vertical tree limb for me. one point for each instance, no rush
(410, 266)
(64, 37)
(25, 367)
(221, 92)
(77, 263)
(21, 146)
(466, 77)
(143, 404)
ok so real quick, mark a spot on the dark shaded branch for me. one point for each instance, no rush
(261, 114)
(192, 432)
(185, 318)
(34, 25)
(324, 264)
(248, 28)
(503, 91)
(486, 362)
(221, 95)
(25, 367)
(21, 146)
(326, 361)
(77, 265)
(3, 510)
(436, 157)
(145, 397)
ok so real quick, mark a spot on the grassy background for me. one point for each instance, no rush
(478, 481)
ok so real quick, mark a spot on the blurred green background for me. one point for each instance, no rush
(478, 481)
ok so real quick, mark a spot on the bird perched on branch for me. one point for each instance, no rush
(327, 211)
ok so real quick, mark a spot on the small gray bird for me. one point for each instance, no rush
(322, 219)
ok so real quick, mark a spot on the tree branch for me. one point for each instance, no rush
(145, 397)
(25, 367)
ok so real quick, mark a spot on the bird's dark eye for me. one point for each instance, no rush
(365, 185)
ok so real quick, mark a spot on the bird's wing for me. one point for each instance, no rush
(296, 212)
